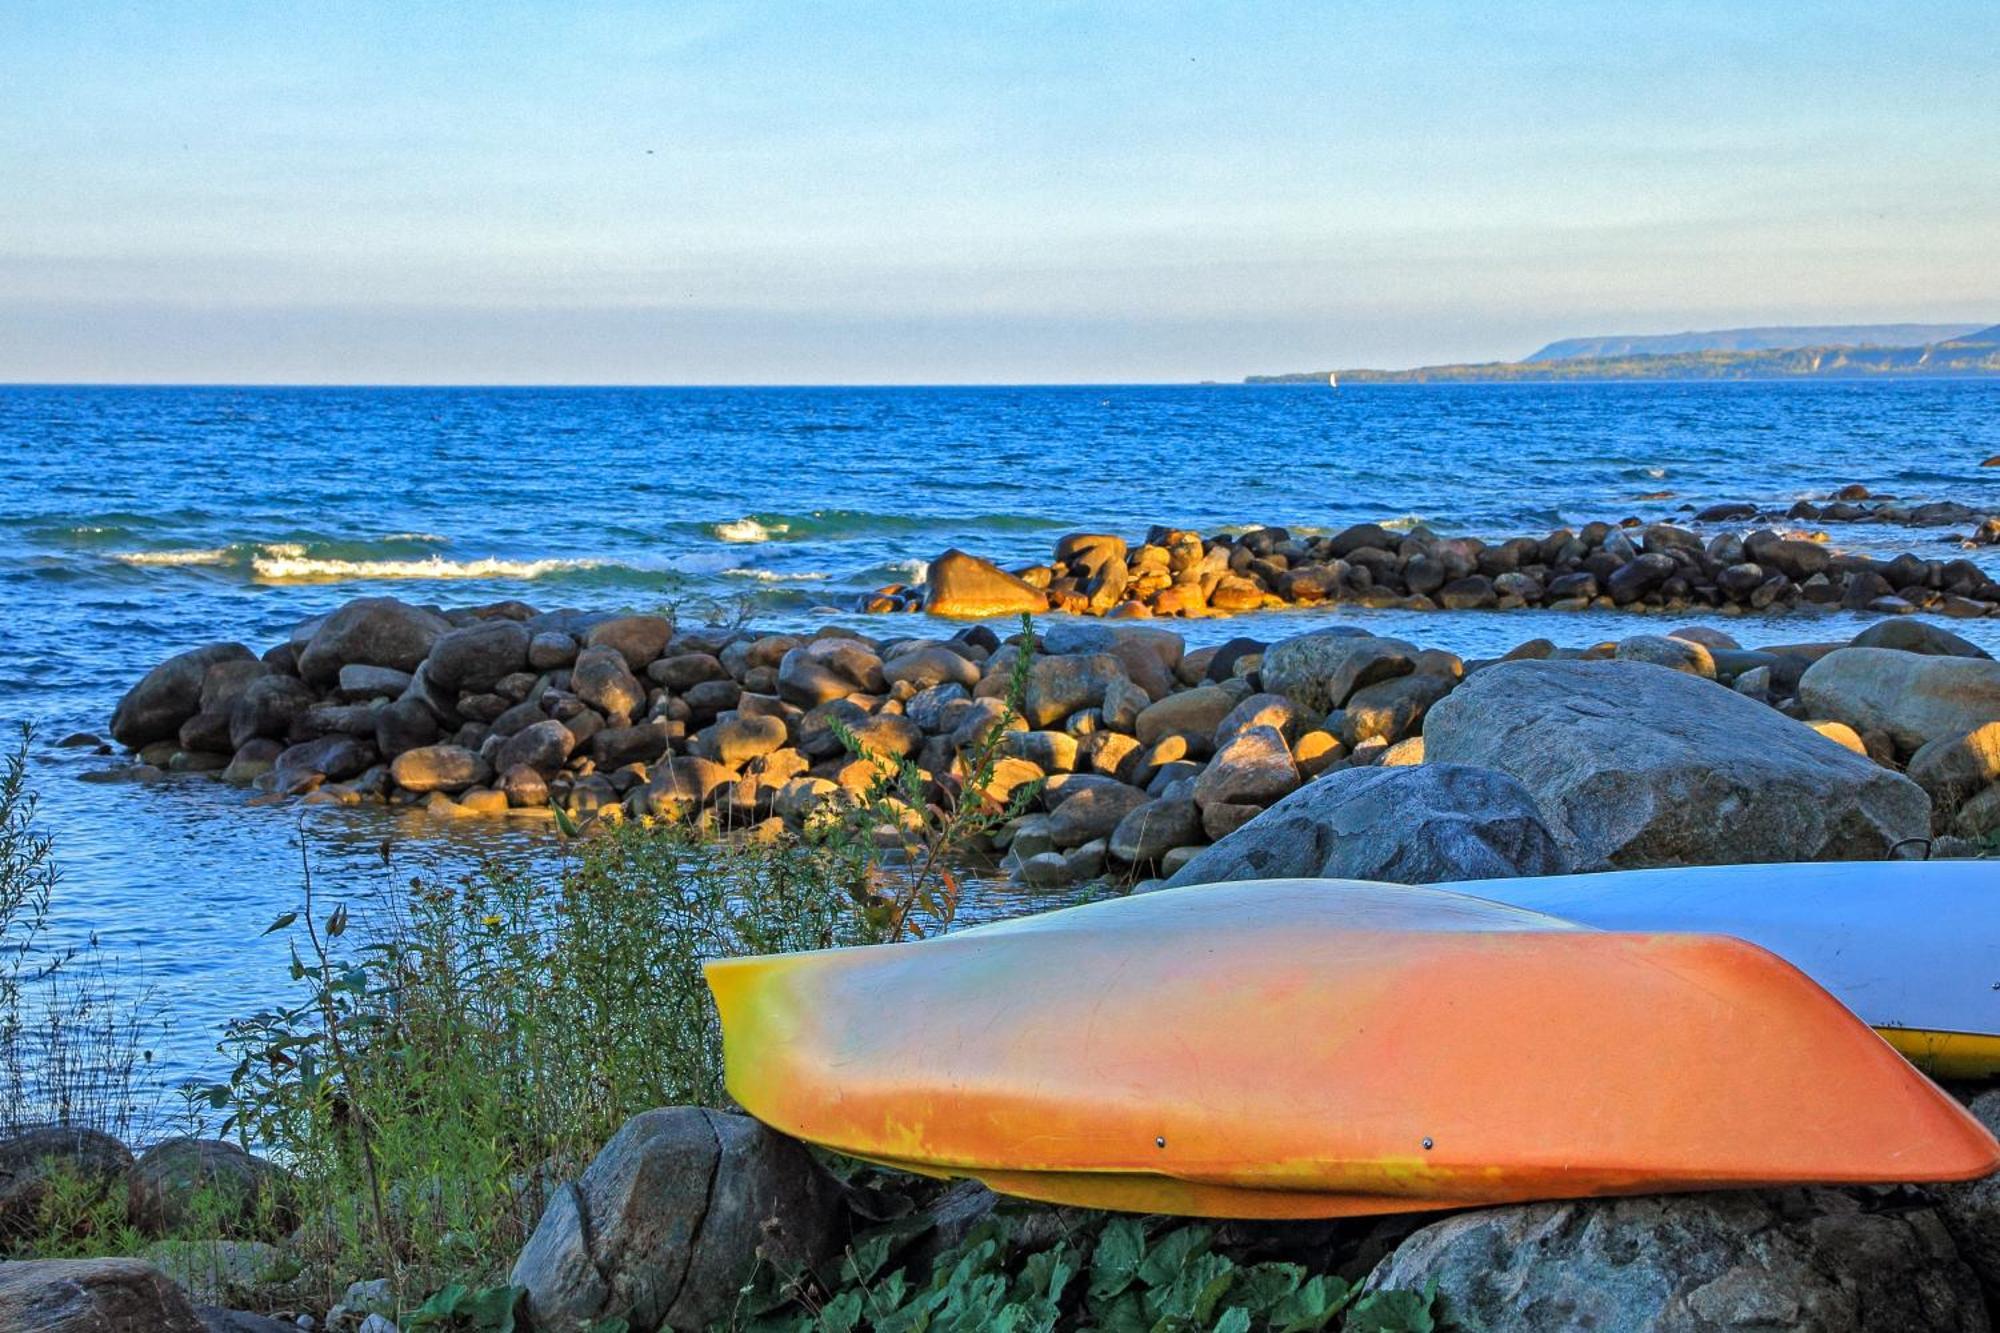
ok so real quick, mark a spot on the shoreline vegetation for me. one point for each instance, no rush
(1974, 355)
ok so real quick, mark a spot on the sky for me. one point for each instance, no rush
(805, 193)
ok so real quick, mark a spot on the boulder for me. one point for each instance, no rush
(1197, 712)
(601, 679)
(267, 708)
(1057, 686)
(473, 659)
(446, 768)
(1148, 832)
(1254, 768)
(544, 747)
(738, 739)
(168, 695)
(1971, 1209)
(1952, 768)
(965, 587)
(211, 1181)
(1918, 636)
(1417, 825)
(1914, 697)
(1798, 1260)
(1091, 810)
(927, 664)
(1670, 651)
(666, 1224)
(375, 631)
(1150, 656)
(1259, 710)
(1390, 709)
(300, 768)
(1637, 765)
(31, 1161)
(827, 669)
(1318, 671)
(637, 639)
(92, 1296)
(405, 724)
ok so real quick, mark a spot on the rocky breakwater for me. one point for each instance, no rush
(1660, 567)
(1353, 754)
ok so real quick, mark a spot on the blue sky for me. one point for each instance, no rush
(800, 193)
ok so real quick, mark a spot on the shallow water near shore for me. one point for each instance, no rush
(135, 523)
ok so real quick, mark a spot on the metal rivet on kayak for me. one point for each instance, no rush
(1427, 1144)
(1160, 1142)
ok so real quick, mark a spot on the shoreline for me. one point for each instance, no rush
(1177, 573)
(1138, 752)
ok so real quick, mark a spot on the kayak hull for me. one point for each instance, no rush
(1912, 947)
(1273, 1049)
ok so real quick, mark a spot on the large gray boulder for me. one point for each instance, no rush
(1420, 825)
(375, 631)
(92, 1296)
(168, 695)
(1802, 1261)
(1913, 697)
(1636, 765)
(664, 1226)
(476, 657)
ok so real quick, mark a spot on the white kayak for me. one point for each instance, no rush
(1912, 947)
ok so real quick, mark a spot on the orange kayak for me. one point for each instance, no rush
(1278, 1049)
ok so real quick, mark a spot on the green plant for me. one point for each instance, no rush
(929, 826)
(1115, 1274)
(73, 1021)
(446, 1063)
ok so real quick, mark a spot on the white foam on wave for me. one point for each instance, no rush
(747, 530)
(1403, 523)
(215, 555)
(775, 576)
(303, 569)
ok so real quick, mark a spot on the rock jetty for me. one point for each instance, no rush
(1667, 567)
(1145, 759)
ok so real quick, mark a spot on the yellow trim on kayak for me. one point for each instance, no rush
(1947, 1054)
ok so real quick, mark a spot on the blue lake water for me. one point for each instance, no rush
(138, 522)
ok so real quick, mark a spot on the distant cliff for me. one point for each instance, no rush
(1976, 353)
(1775, 339)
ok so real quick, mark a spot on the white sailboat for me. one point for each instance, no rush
(1332, 379)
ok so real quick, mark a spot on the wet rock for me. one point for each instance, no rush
(1913, 697)
(1318, 671)
(1635, 765)
(637, 639)
(965, 587)
(375, 631)
(1800, 1261)
(168, 695)
(1414, 825)
(446, 768)
(300, 768)
(92, 1296)
(665, 1225)
(524, 787)
(228, 1191)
